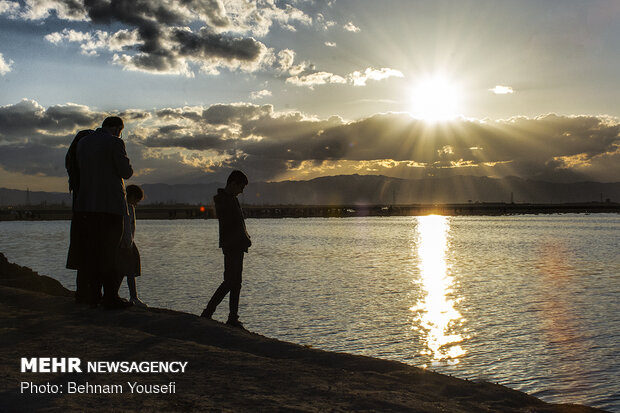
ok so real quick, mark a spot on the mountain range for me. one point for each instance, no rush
(360, 189)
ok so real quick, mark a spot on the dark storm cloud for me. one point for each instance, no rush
(165, 42)
(161, 61)
(168, 129)
(402, 138)
(255, 167)
(27, 120)
(166, 50)
(194, 142)
(218, 114)
(399, 137)
(529, 147)
(151, 22)
(130, 115)
(34, 159)
(259, 131)
(169, 168)
(74, 8)
(270, 143)
(207, 44)
(292, 137)
(169, 114)
(238, 114)
(134, 12)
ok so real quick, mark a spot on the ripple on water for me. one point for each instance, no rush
(533, 302)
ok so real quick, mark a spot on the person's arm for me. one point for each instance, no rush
(121, 160)
(127, 239)
(231, 222)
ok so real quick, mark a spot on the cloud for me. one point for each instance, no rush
(186, 37)
(256, 18)
(220, 114)
(149, 63)
(285, 59)
(34, 159)
(544, 148)
(208, 50)
(42, 9)
(92, 43)
(310, 79)
(317, 78)
(502, 90)
(323, 23)
(260, 94)
(5, 65)
(173, 50)
(528, 147)
(185, 143)
(170, 138)
(131, 115)
(178, 38)
(350, 27)
(9, 8)
(27, 122)
(304, 74)
(360, 78)
(185, 113)
(64, 9)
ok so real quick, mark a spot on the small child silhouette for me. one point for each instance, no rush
(128, 255)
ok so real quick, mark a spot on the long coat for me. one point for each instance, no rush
(103, 165)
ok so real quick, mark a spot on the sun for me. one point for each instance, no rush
(435, 98)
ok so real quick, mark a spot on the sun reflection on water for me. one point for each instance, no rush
(437, 321)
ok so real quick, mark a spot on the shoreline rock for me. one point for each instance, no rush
(228, 369)
(13, 275)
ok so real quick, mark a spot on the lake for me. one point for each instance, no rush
(530, 302)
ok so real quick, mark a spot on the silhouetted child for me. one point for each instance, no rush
(128, 255)
(234, 241)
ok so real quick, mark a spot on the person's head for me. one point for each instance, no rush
(237, 180)
(135, 194)
(114, 125)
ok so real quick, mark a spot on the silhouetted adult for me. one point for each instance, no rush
(99, 209)
(82, 287)
(234, 241)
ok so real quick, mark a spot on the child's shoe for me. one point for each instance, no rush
(138, 302)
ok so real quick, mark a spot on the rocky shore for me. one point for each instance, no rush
(225, 369)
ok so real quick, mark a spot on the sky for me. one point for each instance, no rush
(298, 89)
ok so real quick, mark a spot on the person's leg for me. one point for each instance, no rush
(77, 238)
(111, 234)
(133, 292)
(88, 259)
(131, 285)
(216, 299)
(82, 287)
(235, 292)
(228, 285)
(233, 261)
(94, 286)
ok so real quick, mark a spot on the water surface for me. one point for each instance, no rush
(531, 302)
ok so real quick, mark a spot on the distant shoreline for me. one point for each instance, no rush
(184, 211)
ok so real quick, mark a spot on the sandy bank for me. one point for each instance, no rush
(227, 370)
